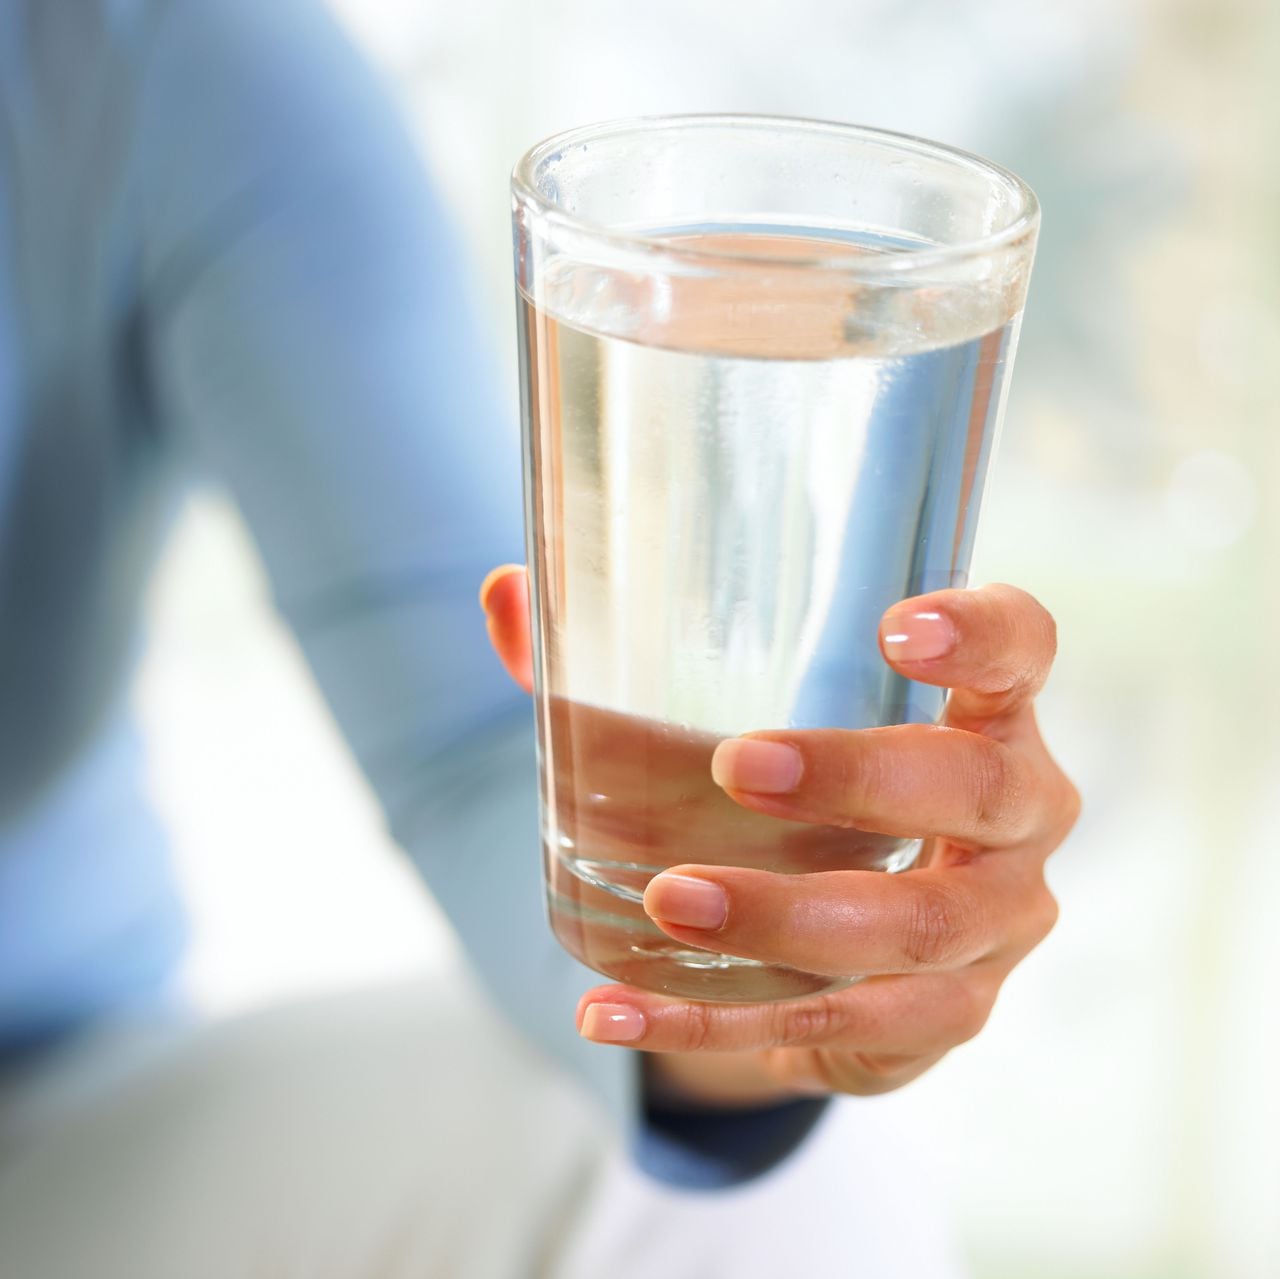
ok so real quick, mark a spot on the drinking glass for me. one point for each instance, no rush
(763, 364)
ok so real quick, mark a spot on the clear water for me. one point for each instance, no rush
(734, 478)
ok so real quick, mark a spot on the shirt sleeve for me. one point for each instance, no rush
(717, 1149)
(313, 343)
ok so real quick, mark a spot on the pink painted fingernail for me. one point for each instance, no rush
(759, 768)
(685, 900)
(612, 1023)
(917, 637)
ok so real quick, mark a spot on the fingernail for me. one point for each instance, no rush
(494, 577)
(682, 899)
(760, 768)
(612, 1023)
(917, 637)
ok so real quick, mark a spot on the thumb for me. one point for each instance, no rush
(504, 596)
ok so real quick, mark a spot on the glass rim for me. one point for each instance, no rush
(1022, 223)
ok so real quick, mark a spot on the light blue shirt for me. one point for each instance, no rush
(218, 254)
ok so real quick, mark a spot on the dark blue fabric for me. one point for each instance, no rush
(717, 1149)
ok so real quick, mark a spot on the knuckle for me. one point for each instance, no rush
(857, 778)
(1071, 806)
(807, 1023)
(973, 1013)
(820, 1069)
(1038, 626)
(1061, 811)
(996, 787)
(1044, 914)
(883, 1072)
(698, 1026)
(933, 929)
(1047, 626)
(1016, 604)
(1024, 637)
(1036, 919)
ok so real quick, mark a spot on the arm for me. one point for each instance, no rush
(309, 334)
(311, 342)
(313, 345)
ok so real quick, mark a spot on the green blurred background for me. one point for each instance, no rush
(1120, 1117)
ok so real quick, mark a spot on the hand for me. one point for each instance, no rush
(936, 942)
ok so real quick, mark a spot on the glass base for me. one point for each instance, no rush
(637, 952)
(597, 913)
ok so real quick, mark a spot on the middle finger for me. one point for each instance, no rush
(854, 923)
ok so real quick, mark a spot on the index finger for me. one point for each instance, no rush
(849, 923)
(993, 647)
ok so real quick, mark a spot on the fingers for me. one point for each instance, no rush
(857, 923)
(504, 596)
(860, 1074)
(993, 647)
(897, 1017)
(913, 780)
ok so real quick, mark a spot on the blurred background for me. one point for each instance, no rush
(1119, 1118)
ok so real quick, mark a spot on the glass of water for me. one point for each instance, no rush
(763, 363)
